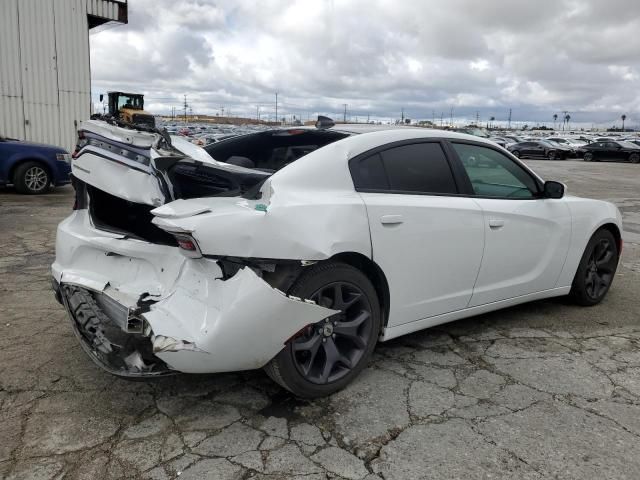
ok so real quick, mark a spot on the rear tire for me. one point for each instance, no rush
(596, 270)
(31, 178)
(551, 155)
(634, 158)
(588, 157)
(326, 356)
(516, 153)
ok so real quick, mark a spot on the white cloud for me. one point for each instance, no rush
(479, 65)
(378, 56)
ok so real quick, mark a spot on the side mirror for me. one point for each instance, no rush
(553, 189)
(101, 97)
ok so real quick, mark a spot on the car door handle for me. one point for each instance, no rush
(496, 223)
(391, 219)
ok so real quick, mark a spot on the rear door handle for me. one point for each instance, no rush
(391, 219)
(496, 223)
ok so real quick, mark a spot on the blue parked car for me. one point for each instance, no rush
(33, 167)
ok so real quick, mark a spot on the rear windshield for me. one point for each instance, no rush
(271, 150)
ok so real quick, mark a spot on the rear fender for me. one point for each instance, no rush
(291, 226)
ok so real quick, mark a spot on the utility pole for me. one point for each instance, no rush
(441, 115)
(344, 115)
(477, 118)
(367, 118)
(509, 118)
(185, 108)
(276, 107)
(402, 116)
(433, 117)
(451, 117)
(258, 113)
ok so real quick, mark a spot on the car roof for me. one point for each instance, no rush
(327, 167)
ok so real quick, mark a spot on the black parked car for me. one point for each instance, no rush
(540, 149)
(610, 150)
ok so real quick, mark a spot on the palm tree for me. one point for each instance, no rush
(623, 117)
(567, 117)
(491, 120)
(555, 119)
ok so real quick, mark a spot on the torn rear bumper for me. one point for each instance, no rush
(163, 312)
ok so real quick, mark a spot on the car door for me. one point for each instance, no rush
(526, 237)
(426, 238)
(599, 151)
(524, 148)
(537, 149)
(615, 151)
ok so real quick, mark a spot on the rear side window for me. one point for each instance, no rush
(419, 168)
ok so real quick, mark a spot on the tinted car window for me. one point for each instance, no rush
(420, 167)
(493, 174)
(369, 174)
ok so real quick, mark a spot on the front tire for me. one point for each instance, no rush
(327, 355)
(516, 153)
(551, 155)
(596, 270)
(634, 158)
(588, 157)
(31, 178)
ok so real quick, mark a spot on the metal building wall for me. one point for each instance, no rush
(11, 107)
(45, 79)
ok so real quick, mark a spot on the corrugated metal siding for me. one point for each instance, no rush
(45, 83)
(11, 109)
(39, 71)
(104, 8)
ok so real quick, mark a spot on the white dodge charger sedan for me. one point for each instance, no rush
(298, 249)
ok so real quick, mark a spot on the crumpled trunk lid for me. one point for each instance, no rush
(128, 173)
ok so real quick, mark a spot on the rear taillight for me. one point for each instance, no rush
(81, 142)
(188, 245)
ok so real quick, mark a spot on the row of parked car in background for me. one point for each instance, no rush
(34, 168)
(589, 148)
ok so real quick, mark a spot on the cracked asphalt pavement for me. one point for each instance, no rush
(543, 390)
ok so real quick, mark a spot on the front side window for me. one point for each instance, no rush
(493, 174)
(414, 168)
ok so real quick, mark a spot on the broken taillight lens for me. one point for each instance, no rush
(188, 245)
(81, 142)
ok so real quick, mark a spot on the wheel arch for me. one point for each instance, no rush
(375, 274)
(615, 231)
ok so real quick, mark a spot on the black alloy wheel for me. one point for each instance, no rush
(328, 350)
(325, 356)
(551, 155)
(634, 158)
(596, 270)
(516, 153)
(588, 157)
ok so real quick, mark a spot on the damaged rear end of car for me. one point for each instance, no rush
(172, 262)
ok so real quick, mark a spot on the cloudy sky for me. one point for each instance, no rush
(380, 57)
